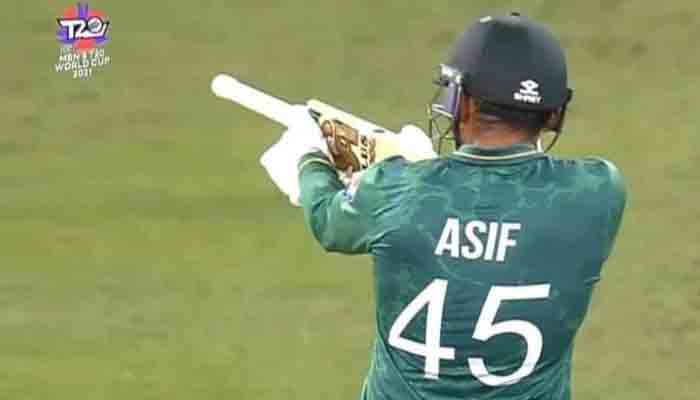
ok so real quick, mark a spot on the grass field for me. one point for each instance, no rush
(145, 255)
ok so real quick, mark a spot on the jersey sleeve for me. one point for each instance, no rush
(616, 195)
(610, 199)
(343, 220)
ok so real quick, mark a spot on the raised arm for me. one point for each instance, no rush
(348, 220)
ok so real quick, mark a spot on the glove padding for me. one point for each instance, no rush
(355, 151)
(349, 155)
(281, 160)
(411, 143)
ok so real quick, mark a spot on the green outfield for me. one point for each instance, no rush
(144, 254)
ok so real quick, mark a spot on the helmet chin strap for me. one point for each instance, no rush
(560, 123)
(457, 123)
(457, 136)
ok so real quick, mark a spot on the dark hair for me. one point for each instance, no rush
(493, 115)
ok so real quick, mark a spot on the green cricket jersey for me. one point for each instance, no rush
(484, 265)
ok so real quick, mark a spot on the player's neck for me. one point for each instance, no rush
(493, 139)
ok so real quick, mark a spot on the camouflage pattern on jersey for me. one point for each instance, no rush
(563, 216)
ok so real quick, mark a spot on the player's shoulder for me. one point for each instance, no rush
(375, 183)
(389, 169)
(596, 166)
(592, 173)
(397, 171)
(392, 180)
(591, 167)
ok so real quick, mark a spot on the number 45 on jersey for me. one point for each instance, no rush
(434, 297)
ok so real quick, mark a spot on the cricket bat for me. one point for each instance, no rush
(354, 142)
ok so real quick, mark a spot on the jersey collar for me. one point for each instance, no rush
(500, 155)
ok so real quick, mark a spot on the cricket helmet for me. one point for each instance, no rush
(509, 62)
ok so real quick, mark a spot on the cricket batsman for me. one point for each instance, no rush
(485, 258)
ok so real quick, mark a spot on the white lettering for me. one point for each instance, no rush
(96, 28)
(449, 240)
(491, 241)
(527, 98)
(505, 241)
(72, 25)
(477, 245)
(495, 248)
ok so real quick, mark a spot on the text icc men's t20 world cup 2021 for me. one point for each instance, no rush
(82, 34)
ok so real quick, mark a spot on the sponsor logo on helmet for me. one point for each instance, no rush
(528, 92)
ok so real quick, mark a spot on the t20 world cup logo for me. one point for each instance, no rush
(82, 33)
(82, 28)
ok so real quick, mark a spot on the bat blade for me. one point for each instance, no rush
(330, 112)
(229, 88)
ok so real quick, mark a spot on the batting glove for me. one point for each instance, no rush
(281, 160)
